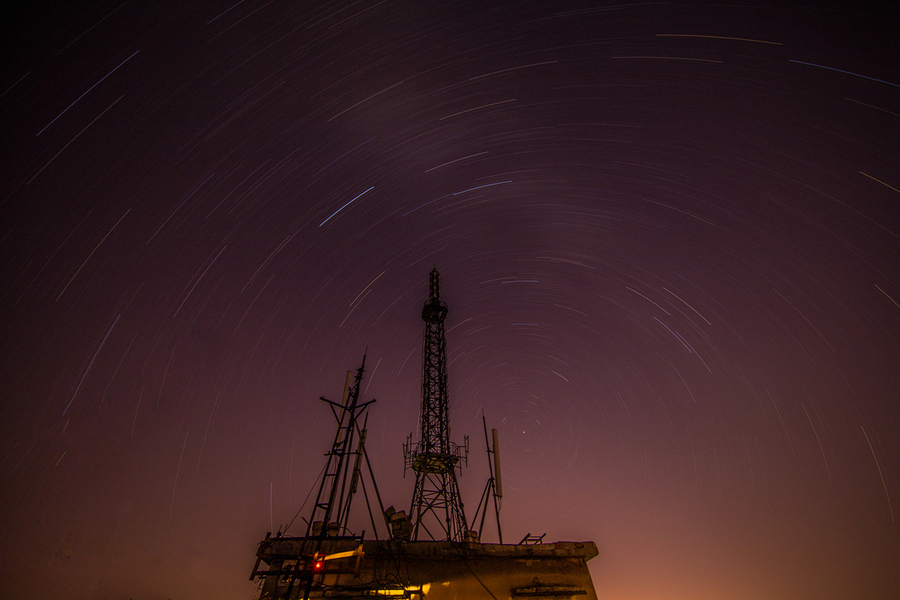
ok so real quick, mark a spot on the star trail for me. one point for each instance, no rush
(668, 236)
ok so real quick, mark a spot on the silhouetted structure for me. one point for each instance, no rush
(330, 561)
(435, 459)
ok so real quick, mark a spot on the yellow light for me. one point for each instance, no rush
(348, 554)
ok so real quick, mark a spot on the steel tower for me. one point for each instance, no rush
(437, 509)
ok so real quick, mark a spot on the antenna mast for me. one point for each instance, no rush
(436, 500)
(494, 487)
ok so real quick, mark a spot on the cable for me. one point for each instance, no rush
(466, 562)
(307, 498)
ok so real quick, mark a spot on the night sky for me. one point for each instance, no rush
(668, 236)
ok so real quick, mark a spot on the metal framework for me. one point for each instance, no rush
(493, 487)
(339, 481)
(422, 557)
(309, 569)
(436, 500)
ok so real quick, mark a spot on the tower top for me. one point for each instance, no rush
(434, 310)
(435, 285)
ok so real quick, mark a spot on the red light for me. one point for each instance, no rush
(318, 565)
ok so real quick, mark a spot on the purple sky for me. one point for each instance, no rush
(668, 236)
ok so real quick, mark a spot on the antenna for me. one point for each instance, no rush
(436, 500)
(493, 485)
(498, 491)
(339, 482)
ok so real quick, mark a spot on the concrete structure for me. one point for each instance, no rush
(419, 570)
